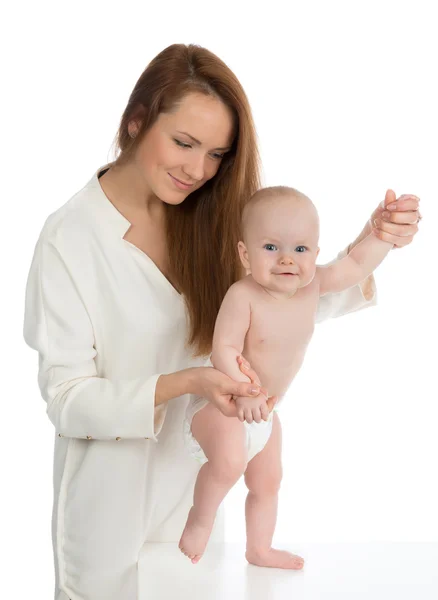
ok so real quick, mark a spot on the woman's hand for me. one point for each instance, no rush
(246, 369)
(219, 389)
(263, 408)
(396, 220)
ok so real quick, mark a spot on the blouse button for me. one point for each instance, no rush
(117, 439)
(89, 437)
(59, 434)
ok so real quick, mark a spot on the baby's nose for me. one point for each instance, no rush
(287, 260)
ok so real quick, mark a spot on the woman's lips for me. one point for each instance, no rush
(180, 184)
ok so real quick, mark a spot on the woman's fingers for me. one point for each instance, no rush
(397, 223)
(247, 370)
(403, 205)
(242, 389)
(241, 359)
(396, 229)
(389, 197)
(396, 240)
(227, 408)
(410, 196)
(409, 217)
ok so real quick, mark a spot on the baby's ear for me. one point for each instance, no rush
(243, 253)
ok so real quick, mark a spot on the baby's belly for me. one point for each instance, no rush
(276, 372)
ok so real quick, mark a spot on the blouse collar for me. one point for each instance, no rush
(110, 214)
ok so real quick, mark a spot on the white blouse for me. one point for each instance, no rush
(106, 323)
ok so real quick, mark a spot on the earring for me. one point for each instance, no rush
(132, 135)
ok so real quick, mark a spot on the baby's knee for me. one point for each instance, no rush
(264, 483)
(229, 468)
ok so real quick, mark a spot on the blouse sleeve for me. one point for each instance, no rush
(79, 403)
(355, 298)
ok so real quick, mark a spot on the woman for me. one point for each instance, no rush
(123, 291)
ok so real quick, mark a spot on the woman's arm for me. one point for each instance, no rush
(80, 404)
(172, 385)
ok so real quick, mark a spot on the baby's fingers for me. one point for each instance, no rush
(256, 415)
(271, 402)
(248, 415)
(241, 414)
(264, 412)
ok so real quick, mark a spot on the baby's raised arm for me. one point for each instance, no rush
(232, 323)
(354, 268)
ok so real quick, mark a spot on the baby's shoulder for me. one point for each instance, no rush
(242, 288)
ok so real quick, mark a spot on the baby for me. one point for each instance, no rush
(268, 316)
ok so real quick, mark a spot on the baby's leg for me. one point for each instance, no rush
(223, 440)
(263, 477)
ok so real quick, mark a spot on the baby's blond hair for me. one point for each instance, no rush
(269, 195)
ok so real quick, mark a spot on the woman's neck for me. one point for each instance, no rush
(126, 189)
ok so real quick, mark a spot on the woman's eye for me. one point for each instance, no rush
(301, 248)
(270, 247)
(214, 155)
(181, 144)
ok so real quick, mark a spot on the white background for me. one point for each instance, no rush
(344, 98)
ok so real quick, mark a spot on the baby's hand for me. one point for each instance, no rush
(246, 369)
(249, 409)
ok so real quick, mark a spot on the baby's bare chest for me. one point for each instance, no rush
(282, 327)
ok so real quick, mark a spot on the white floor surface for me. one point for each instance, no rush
(362, 571)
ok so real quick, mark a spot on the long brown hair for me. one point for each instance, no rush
(203, 231)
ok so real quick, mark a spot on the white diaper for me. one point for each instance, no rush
(257, 434)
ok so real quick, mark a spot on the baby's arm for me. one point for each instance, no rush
(355, 267)
(232, 324)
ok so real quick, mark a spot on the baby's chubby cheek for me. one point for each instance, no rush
(308, 276)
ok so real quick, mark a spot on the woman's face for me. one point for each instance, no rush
(184, 148)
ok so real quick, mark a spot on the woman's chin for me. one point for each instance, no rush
(170, 198)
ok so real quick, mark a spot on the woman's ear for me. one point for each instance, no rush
(243, 253)
(133, 129)
(136, 120)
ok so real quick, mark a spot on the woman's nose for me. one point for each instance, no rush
(195, 168)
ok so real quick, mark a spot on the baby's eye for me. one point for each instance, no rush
(300, 249)
(270, 247)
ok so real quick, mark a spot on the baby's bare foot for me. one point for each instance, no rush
(195, 537)
(279, 559)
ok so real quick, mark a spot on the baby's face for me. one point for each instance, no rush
(282, 244)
